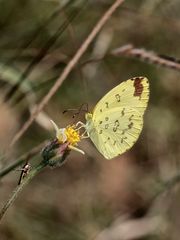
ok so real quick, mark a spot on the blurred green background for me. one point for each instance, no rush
(89, 197)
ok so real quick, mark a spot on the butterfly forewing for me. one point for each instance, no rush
(118, 117)
(132, 93)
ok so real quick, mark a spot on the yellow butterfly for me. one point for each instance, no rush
(117, 120)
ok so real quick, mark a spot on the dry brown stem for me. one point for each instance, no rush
(146, 56)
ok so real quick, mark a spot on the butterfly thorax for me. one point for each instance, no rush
(89, 122)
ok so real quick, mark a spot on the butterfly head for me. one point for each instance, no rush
(88, 116)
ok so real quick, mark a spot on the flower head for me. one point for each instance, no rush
(70, 135)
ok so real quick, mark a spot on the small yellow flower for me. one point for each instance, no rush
(70, 135)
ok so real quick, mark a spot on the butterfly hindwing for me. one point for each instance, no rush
(114, 135)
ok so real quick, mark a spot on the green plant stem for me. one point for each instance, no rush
(53, 154)
(20, 187)
(25, 157)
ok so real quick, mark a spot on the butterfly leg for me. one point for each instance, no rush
(76, 149)
(83, 134)
(81, 124)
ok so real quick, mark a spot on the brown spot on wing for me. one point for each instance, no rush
(122, 112)
(114, 129)
(107, 104)
(118, 98)
(138, 86)
(130, 118)
(130, 125)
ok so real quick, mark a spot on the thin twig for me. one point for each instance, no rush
(146, 56)
(68, 68)
(25, 157)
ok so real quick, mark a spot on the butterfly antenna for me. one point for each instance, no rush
(81, 110)
(87, 107)
(69, 110)
(76, 109)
